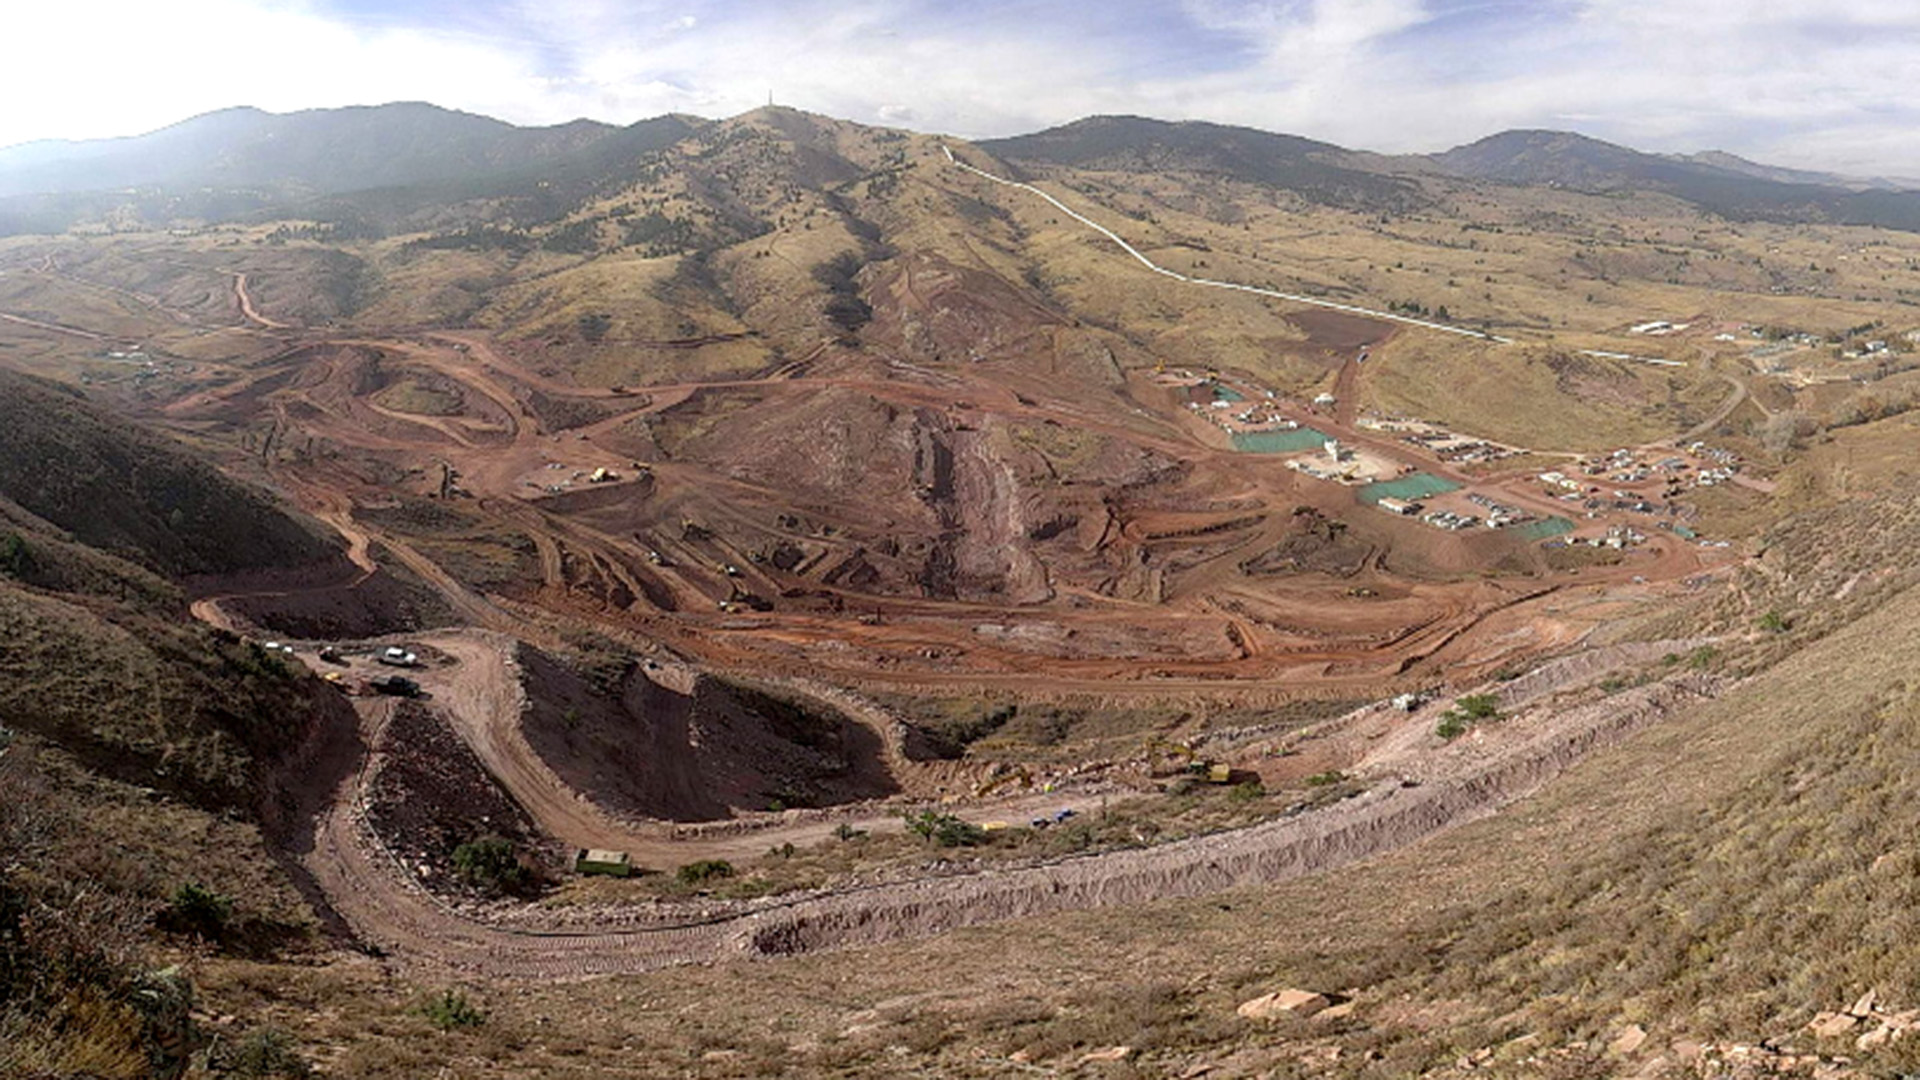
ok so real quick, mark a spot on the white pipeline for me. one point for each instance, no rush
(1177, 276)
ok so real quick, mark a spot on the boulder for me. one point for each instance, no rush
(1289, 1002)
(1829, 1025)
(1111, 1053)
(1629, 1040)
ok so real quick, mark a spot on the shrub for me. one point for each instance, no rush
(593, 326)
(695, 873)
(1479, 706)
(1772, 622)
(261, 1052)
(490, 864)
(1452, 725)
(450, 1009)
(15, 559)
(845, 831)
(1331, 776)
(197, 910)
(1247, 791)
(944, 829)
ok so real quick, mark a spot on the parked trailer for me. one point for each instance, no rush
(607, 863)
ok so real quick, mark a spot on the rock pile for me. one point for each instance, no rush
(1871, 1023)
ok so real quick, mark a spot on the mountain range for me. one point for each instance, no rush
(376, 168)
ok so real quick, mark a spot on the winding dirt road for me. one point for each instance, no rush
(365, 884)
(370, 890)
(246, 304)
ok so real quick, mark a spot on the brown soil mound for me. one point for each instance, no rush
(1338, 330)
(1313, 544)
(429, 794)
(645, 747)
(383, 603)
(932, 309)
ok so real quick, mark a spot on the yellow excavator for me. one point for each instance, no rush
(1213, 772)
(1018, 773)
(1158, 748)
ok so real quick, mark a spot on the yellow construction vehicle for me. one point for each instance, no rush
(1158, 748)
(1017, 773)
(1191, 763)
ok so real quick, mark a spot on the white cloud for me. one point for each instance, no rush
(1802, 82)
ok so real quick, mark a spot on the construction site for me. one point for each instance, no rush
(654, 630)
(739, 620)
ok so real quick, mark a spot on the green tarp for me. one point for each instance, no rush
(1279, 442)
(1408, 488)
(1545, 529)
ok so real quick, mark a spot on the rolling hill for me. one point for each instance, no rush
(377, 169)
(397, 158)
(1733, 189)
(126, 491)
(1317, 171)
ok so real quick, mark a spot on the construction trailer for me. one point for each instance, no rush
(605, 863)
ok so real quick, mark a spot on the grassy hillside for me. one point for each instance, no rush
(1313, 170)
(138, 748)
(143, 759)
(129, 492)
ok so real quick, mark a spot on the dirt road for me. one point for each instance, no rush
(365, 885)
(246, 304)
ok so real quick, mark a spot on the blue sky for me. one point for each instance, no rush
(1813, 83)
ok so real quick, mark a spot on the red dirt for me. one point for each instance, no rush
(1022, 517)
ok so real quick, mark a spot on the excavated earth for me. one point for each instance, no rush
(979, 493)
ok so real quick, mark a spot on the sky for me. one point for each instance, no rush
(1806, 83)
